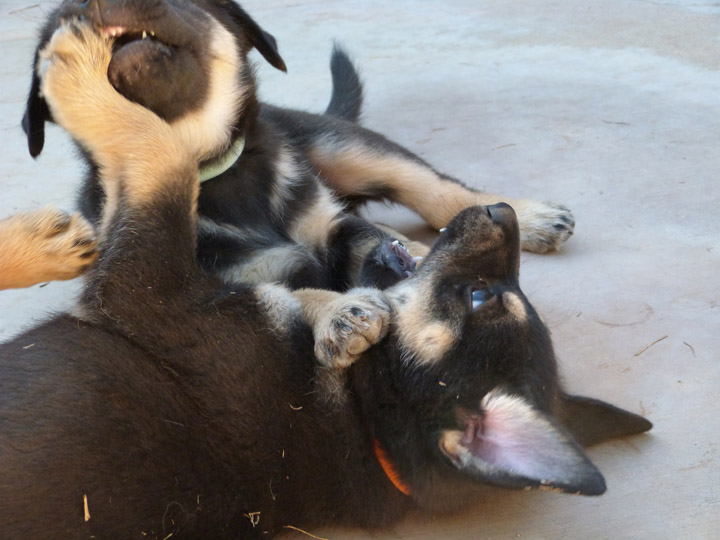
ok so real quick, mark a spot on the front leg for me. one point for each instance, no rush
(124, 138)
(344, 325)
(149, 176)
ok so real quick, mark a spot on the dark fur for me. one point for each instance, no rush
(189, 416)
(175, 406)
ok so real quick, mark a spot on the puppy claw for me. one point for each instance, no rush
(354, 323)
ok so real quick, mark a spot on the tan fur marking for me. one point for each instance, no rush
(45, 245)
(207, 130)
(424, 339)
(286, 174)
(318, 222)
(513, 409)
(514, 305)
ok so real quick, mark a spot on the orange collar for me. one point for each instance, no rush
(389, 469)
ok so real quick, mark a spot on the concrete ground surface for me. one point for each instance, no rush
(612, 108)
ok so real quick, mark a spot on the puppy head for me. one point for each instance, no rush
(465, 390)
(163, 54)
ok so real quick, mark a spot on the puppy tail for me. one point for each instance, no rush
(347, 92)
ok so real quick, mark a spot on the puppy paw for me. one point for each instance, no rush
(45, 245)
(73, 69)
(354, 322)
(544, 226)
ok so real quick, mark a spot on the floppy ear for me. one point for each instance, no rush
(592, 421)
(510, 443)
(36, 114)
(264, 42)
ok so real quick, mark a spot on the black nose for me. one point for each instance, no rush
(501, 214)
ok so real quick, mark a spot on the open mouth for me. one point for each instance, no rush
(156, 66)
(396, 256)
(135, 41)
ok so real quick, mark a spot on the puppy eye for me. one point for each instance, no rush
(479, 297)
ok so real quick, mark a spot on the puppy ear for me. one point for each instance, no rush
(592, 421)
(510, 443)
(36, 114)
(264, 42)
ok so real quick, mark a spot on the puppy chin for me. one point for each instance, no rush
(167, 80)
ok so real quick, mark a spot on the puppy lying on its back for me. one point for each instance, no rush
(177, 406)
(274, 177)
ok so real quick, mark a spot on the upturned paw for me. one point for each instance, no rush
(73, 69)
(354, 322)
(45, 245)
(544, 226)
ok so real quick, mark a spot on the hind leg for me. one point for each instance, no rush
(362, 165)
(44, 245)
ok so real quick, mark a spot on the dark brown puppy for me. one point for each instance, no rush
(174, 406)
(279, 223)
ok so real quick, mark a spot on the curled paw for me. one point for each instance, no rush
(45, 245)
(544, 226)
(354, 322)
(73, 69)
(73, 66)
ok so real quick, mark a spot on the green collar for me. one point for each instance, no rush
(218, 166)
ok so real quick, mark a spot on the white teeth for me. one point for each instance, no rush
(443, 229)
(417, 259)
(144, 34)
(395, 243)
(114, 31)
(152, 33)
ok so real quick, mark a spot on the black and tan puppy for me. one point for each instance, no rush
(175, 406)
(279, 182)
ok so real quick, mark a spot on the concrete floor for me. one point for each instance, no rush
(612, 108)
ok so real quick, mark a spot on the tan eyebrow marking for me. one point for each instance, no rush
(514, 305)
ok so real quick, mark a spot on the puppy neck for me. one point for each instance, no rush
(219, 165)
